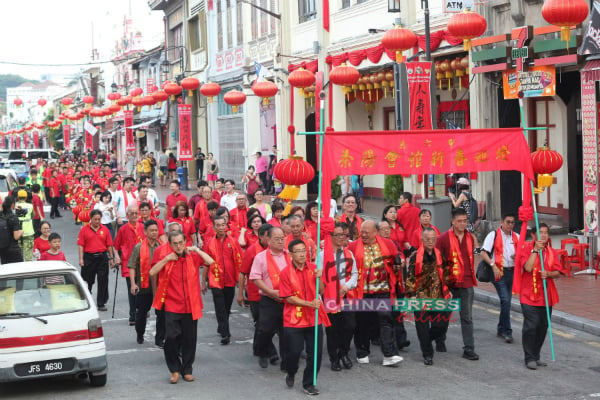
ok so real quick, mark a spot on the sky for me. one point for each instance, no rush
(66, 31)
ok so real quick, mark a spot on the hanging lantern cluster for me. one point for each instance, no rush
(545, 162)
(448, 69)
(565, 13)
(467, 25)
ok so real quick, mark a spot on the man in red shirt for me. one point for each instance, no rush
(146, 215)
(54, 185)
(193, 201)
(529, 277)
(223, 274)
(297, 232)
(457, 246)
(201, 208)
(178, 294)
(62, 178)
(127, 237)
(38, 209)
(297, 286)
(173, 198)
(94, 242)
(408, 215)
(238, 214)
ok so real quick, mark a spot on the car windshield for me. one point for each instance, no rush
(4, 185)
(42, 294)
(18, 168)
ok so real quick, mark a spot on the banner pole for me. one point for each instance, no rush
(537, 227)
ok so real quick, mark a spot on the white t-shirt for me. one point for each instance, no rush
(229, 201)
(107, 216)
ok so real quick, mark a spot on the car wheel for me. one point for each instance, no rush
(97, 380)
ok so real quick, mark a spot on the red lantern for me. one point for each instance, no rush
(545, 162)
(210, 90)
(301, 78)
(136, 92)
(160, 96)
(42, 102)
(172, 89)
(344, 75)
(149, 101)
(124, 101)
(114, 108)
(467, 25)
(234, 98)
(190, 84)
(398, 40)
(84, 216)
(18, 102)
(67, 101)
(565, 13)
(265, 89)
(293, 172)
(370, 95)
(88, 100)
(138, 102)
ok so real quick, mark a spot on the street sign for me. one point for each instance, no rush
(456, 6)
(520, 52)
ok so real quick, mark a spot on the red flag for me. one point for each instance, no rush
(185, 132)
(326, 15)
(129, 140)
(210, 5)
(66, 136)
(26, 140)
(18, 142)
(36, 139)
(88, 141)
(419, 80)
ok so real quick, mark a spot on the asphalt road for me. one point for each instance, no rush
(231, 372)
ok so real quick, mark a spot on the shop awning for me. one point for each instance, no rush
(591, 70)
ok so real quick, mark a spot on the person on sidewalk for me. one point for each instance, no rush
(340, 278)
(408, 215)
(375, 261)
(178, 293)
(299, 290)
(529, 283)
(223, 274)
(457, 248)
(349, 217)
(265, 274)
(427, 278)
(499, 247)
(139, 274)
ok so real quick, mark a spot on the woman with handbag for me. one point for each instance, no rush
(213, 170)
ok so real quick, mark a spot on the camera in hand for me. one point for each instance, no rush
(20, 212)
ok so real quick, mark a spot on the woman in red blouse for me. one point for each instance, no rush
(41, 244)
(250, 236)
(181, 216)
(398, 234)
(310, 223)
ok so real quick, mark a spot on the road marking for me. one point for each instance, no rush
(104, 321)
(595, 344)
(139, 349)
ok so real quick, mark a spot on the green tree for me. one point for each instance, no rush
(393, 187)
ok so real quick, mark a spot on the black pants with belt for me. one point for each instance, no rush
(340, 333)
(181, 333)
(96, 264)
(270, 321)
(223, 298)
(298, 339)
(535, 327)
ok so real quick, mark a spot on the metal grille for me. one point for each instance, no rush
(231, 145)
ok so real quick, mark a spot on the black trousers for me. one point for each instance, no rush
(96, 265)
(339, 334)
(255, 311)
(159, 337)
(131, 300)
(535, 326)
(181, 333)
(223, 298)
(143, 303)
(298, 339)
(37, 227)
(431, 326)
(54, 206)
(364, 322)
(270, 321)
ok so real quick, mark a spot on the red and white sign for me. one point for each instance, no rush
(230, 59)
(129, 139)
(589, 116)
(185, 132)
(419, 83)
(66, 136)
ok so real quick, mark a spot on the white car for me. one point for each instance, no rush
(49, 324)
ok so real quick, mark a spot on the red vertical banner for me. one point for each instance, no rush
(185, 132)
(18, 142)
(326, 15)
(36, 139)
(66, 136)
(2, 139)
(589, 114)
(419, 81)
(88, 141)
(26, 140)
(318, 123)
(129, 140)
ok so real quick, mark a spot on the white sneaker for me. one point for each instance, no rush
(391, 361)
(363, 360)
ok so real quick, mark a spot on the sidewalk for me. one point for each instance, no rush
(579, 305)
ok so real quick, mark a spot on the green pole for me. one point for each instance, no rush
(537, 227)
(320, 207)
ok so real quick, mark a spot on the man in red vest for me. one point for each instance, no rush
(223, 274)
(500, 253)
(238, 214)
(457, 246)
(178, 293)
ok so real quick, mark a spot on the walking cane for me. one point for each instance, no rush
(115, 294)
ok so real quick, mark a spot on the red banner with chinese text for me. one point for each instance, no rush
(66, 136)
(88, 141)
(422, 152)
(129, 139)
(419, 83)
(26, 140)
(36, 139)
(18, 142)
(185, 132)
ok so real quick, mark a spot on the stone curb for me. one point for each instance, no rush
(559, 317)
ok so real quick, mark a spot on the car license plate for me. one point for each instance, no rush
(44, 367)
